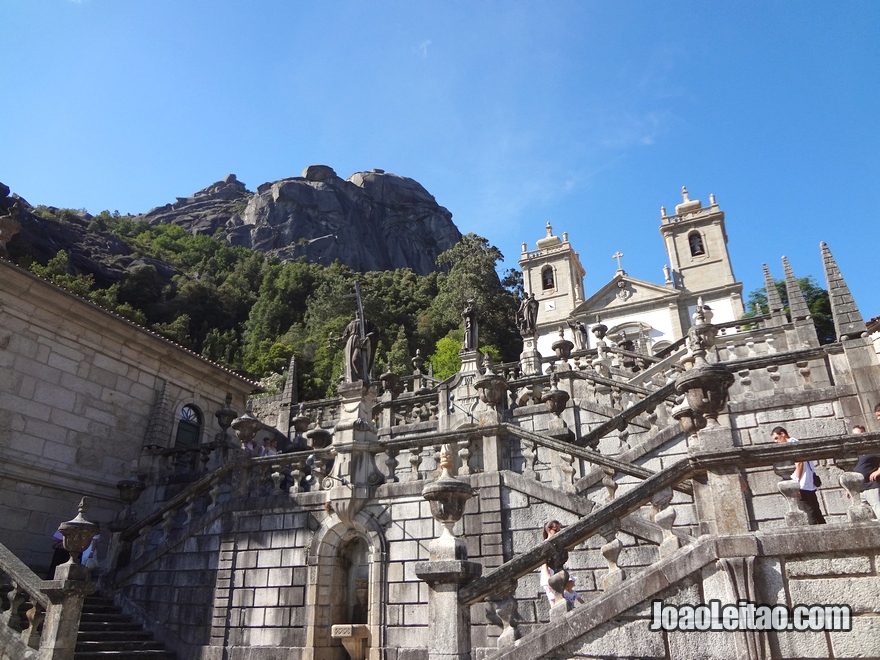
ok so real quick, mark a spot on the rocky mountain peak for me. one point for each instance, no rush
(371, 221)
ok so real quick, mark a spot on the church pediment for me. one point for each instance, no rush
(625, 291)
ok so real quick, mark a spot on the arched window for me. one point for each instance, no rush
(189, 427)
(696, 243)
(547, 277)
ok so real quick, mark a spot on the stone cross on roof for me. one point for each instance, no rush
(618, 256)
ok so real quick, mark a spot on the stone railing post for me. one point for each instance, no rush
(704, 385)
(448, 569)
(67, 591)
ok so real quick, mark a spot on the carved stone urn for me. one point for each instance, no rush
(705, 388)
(562, 346)
(129, 491)
(247, 426)
(704, 385)
(447, 497)
(78, 534)
(555, 400)
(492, 388)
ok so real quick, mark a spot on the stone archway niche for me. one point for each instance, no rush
(349, 598)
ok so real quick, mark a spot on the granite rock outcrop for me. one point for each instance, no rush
(371, 221)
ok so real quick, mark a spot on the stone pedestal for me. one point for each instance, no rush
(721, 500)
(471, 361)
(354, 638)
(66, 595)
(530, 358)
(356, 440)
(450, 629)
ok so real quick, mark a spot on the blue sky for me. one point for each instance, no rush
(590, 115)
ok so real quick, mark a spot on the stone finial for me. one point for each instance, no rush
(662, 211)
(549, 230)
(78, 534)
(848, 321)
(687, 205)
(226, 414)
(565, 237)
(418, 361)
(712, 201)
(525, 248)
(774, 301)
(797, 304)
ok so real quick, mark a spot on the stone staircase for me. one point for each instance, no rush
(105, 632)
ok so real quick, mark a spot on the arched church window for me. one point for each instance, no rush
(547, 278)
(696, 244)
(189, 427)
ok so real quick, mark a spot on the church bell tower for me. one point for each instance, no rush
(696, 244)
(554, 274)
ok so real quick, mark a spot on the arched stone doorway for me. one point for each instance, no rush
(347, 586)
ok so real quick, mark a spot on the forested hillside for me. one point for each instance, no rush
(252, 312)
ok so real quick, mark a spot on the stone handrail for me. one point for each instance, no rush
(754, 323)
(620, 421)
(589, 455)
(632, 354)
(39, 619)
(788, 357)
(209, 481)
(20, 589)
(27, 580)
(686, 468)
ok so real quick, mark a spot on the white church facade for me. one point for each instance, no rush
(650, 315)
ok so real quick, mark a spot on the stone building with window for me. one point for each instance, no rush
(651, 315)
(84, 394)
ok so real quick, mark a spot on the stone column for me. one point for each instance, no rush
(448, 569)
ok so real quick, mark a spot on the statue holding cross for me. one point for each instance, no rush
(361, 340)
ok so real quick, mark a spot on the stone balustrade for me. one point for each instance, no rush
(499, 584)
(22, 605)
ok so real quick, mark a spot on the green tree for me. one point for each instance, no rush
(471, 275)
(57, 271)
(399, 355)
(445, 359)
(177, 330)
(817, 299)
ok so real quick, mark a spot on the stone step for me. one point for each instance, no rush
(123, 655)
(105, 632)
(112, 615)
(113, 635)
(93, 626)
(119, 645)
